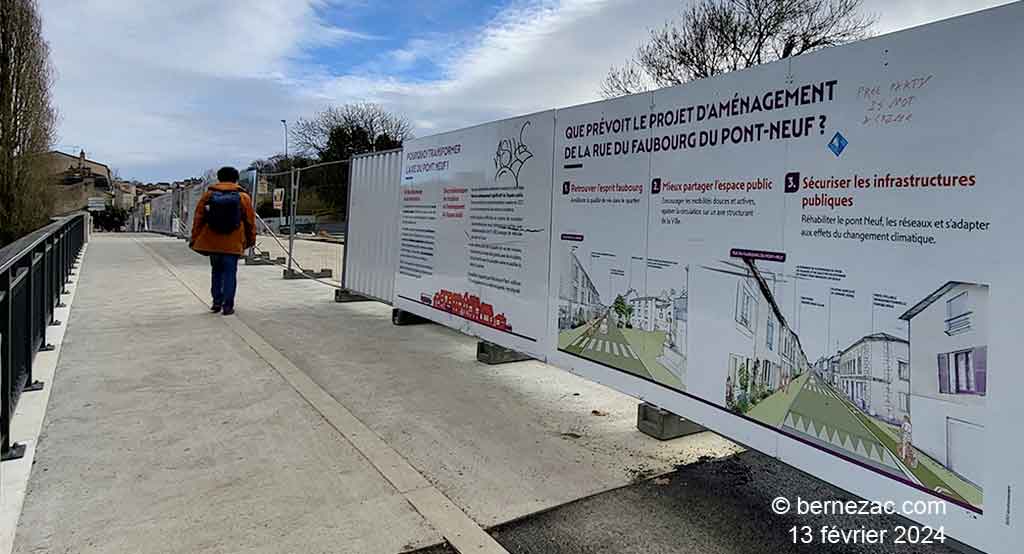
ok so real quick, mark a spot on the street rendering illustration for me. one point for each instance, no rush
(811, 409)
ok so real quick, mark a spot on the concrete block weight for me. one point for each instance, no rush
(402, 317)
(293, 274)
(262, 258)
(492, 354)
(345, 295)
(663, 424)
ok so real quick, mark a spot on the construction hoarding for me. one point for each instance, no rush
(371, 234)
(813, 257)
(474, 230)
(161, 218)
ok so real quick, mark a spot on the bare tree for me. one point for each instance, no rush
(712, 37)
(27, 119)
(312, 136)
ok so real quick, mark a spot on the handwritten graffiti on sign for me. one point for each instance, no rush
(511, 156)
(892, 105)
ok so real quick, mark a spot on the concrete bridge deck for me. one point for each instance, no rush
(299, 425)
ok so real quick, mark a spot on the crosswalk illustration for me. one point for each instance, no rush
(606, 346)
(816, 388)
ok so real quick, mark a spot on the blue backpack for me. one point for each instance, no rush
(224, 211)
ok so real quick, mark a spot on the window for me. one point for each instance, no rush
(771, 333)
(904, 402)
(964, 371)
(958, 316)
(745, 307)
(957, 305)
(904, 369)
(734, 366)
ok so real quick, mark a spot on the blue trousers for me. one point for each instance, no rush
(225, 279)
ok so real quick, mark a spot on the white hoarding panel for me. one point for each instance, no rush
(161, 213)
(371, 237)
(817, 258)
(188, 209)
(619, 305)
(816, 261)
(474, 230)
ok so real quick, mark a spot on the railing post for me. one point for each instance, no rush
(32, 319)
(58, 287)
(65, 261)
(31, 285)
(8, 449)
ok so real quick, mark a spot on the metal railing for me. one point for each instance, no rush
(33, 273)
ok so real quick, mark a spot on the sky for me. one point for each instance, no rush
(164, 90)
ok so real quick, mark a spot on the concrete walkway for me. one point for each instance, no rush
(300, 425)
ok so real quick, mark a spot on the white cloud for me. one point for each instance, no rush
(530, 57)
(554, 54)
(165, 89)
(162, 89)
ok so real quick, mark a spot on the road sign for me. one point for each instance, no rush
(278, 199)
(97, 203)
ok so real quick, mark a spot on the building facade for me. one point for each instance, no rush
(874, 373)
(76, 179)
(949, 376)
(578, 299)
(828, 368)
(651, 313)
(764, 353)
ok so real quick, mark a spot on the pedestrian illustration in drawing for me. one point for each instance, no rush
(906, 443)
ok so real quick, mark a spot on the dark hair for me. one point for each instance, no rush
(227, 174)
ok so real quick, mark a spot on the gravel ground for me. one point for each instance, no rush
(717, 507)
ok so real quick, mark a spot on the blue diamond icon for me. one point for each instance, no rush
(838, 144)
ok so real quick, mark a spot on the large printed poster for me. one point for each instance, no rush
(818, 258)
(474, 230)
(807, 245)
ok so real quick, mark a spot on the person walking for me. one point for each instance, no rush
(223, 227)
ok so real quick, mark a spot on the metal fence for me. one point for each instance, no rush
(33, 272)
(311, 212)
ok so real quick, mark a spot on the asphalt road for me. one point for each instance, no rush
(719, 507)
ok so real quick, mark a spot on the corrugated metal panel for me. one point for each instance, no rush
(161, 214)
(188, 210)
(371, 241)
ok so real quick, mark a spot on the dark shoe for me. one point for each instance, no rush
(228, 311)
(215, 308)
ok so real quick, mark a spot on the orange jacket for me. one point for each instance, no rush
(207, 241)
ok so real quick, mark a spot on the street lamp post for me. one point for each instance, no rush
(284, 122)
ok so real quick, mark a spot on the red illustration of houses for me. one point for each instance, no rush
(470, 307)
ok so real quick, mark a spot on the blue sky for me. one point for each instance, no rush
(162, 90)
(393, 30)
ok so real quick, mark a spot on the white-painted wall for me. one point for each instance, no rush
(931, 410)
